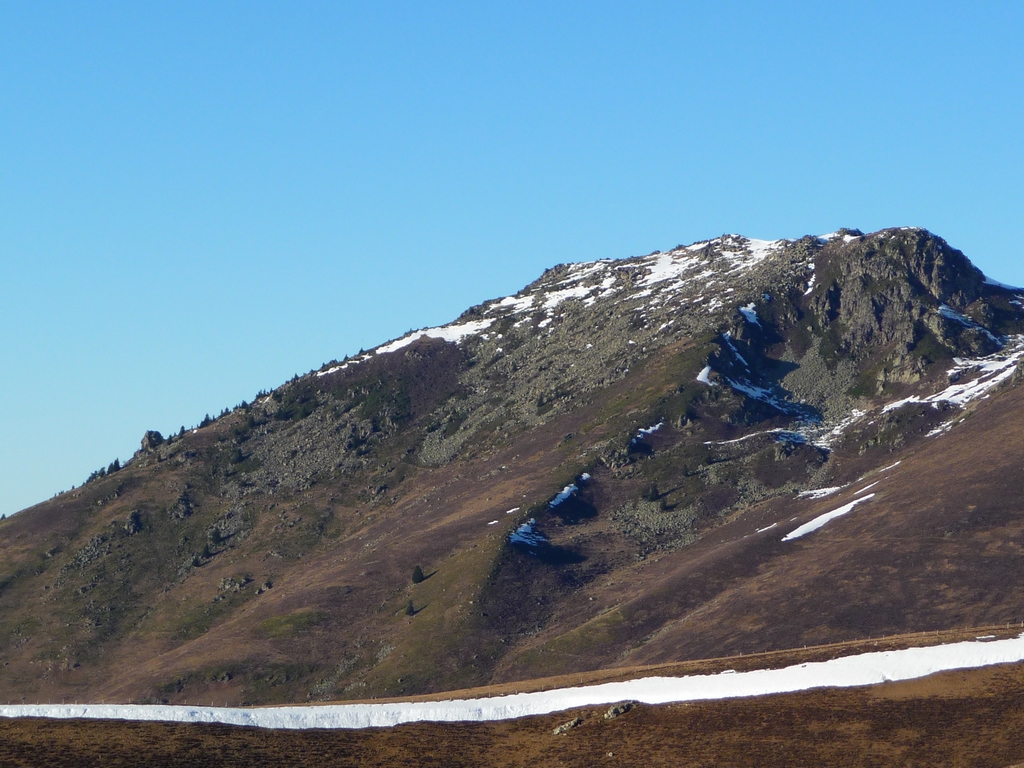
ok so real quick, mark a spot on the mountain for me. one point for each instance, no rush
(731, 446)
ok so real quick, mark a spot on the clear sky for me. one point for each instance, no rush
(199, 200)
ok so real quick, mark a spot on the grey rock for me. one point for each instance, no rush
(566, 727)
(151, 440)
(619, 709)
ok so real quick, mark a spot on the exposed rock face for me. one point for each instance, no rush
(151, 440)
(891, 291)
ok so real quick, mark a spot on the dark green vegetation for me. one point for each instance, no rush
(266, 556)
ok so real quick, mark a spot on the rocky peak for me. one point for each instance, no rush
(151, 440)
(816, 322)
(901, 299)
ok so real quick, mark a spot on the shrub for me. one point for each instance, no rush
(651, 494)
(417, 575)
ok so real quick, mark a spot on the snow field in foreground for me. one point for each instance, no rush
(850, 671)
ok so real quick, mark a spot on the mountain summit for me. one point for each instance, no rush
(730, 446)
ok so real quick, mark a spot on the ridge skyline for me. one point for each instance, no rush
(761, 247)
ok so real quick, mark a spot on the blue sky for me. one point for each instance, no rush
(199, 200)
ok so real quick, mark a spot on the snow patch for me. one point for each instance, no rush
(833, 235)
(941, 429)
(563, 495)
(527, 535)
(732, 348)
(647, 431)
(516, 303)
(827, 439)
(332, 369)
(450, 333)
(553, 298)
(820, 520)
(750, 313)
(821, 493)
(988, 372)
(668, 266)
(702, 377)
(951, 314)
(760, 393)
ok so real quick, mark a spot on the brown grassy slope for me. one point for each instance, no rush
(332, 626)
(940, 545)
(970, 718)
(114, 620)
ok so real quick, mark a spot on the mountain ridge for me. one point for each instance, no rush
(643, 418)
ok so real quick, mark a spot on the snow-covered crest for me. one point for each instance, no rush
(697, 274)
(712, 258)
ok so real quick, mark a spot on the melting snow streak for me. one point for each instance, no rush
(820, 520)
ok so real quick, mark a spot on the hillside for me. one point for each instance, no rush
(597, 472)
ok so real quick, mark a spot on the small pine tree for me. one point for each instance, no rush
(409, 609)
(417, 575)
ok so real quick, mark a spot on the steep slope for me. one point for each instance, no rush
(596, 471)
